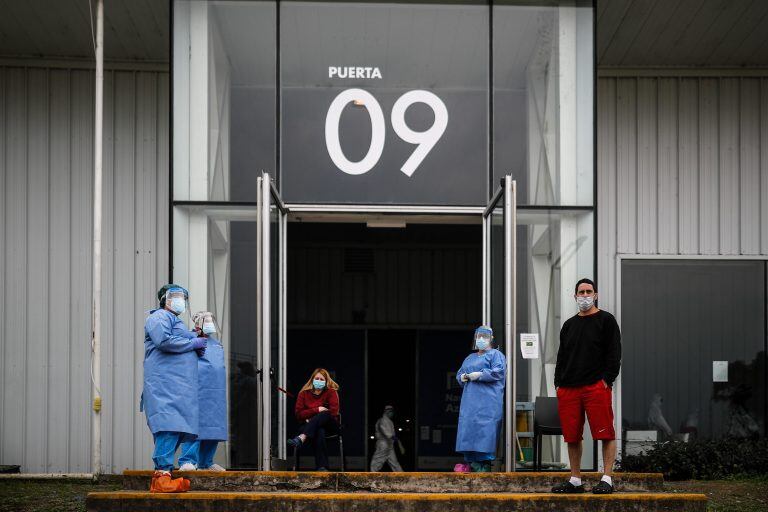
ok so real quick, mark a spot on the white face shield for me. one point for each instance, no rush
(176, 299)
(483, 338)
(205, 321)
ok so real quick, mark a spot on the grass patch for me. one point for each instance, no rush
(733, 494)
(48, 495)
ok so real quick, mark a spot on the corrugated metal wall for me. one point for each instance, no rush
(682, 168)
(46, 160)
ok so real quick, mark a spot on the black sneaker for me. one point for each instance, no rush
(602, 487)
(294, 442)
(568, 488)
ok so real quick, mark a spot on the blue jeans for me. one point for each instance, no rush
(199, 453)
(166, 444)
(478, 456)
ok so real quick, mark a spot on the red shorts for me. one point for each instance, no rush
(596, 400)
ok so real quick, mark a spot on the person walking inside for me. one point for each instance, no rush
(588, 363)
(212, 399)
(317, 410)
(482, 375)
(385, 442)
(170, 384)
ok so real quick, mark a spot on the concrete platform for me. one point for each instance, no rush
(253, 481)
(140, 501)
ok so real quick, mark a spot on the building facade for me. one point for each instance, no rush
(334, 168)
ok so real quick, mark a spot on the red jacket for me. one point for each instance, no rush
(307, 404)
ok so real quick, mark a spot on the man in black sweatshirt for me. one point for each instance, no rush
(588, 362)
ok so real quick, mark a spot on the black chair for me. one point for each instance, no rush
(339, 436)
(546, 422)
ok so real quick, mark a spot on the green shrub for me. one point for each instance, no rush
(702, 460)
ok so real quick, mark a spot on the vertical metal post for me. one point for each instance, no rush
(283, 341)
(486, 251)
(97, 204)
(510, 320)
(266, 360)
(259, 322)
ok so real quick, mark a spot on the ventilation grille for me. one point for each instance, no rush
(358, 260)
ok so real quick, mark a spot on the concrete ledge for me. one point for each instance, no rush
(137, 501)
(252, 481)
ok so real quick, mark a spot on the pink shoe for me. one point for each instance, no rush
(461, 468)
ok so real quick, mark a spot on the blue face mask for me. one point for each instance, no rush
(209, 328)
(318, 384)
(178, 305)
(482, 343)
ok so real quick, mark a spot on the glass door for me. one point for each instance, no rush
(271, 261)
(499, 304)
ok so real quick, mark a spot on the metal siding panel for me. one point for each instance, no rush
(728, 45)
(638, 51)
(688, 171)
(126, 246)
(81, 221)
(667, 158)
(749, 165)
(657, 51)
(108, 271)
(709, 197)
(626, 164)
(145, 219)
(647, 142)
(58, 271)
(764, 166)
(606, 182)
(729, 166)
(15, 290)
(38, 298)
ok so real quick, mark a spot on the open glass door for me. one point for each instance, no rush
(272, 226)
(499, 305)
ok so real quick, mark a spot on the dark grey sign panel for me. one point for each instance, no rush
(452, 172)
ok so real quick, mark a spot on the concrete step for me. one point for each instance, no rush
(302, 481)
(142, 501)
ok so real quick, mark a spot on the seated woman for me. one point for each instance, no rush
(317, 409)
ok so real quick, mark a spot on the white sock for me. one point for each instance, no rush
(575, 481)
(607, 480)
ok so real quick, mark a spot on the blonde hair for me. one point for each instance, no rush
(329, 382)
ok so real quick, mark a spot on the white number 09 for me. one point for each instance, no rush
(426, 140)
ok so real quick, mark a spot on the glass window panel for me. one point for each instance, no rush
(678, 320)
(543, 101)
(387, 50)
(224, 98)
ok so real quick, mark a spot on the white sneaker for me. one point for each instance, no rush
(187, 466)
(215, 467)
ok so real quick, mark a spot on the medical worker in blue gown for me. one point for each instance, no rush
(212, 400)
(170, 391)
(483, 376)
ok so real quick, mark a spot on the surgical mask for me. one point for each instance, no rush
(178, 305)
(585, 303)
(318, 384)
(482, 343)
(209, 328)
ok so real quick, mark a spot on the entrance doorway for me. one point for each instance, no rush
(390, 313)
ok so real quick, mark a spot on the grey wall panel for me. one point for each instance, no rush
(688, 159)
(46, 158)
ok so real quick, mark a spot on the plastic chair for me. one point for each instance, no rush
(546, 422)
(297, 450)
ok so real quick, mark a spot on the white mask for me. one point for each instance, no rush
(585, 303)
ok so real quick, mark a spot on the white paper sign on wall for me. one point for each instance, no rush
(529, 345)
(719, 371)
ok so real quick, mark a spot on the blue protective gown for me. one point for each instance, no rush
(212, 393)
(482, 402)
(170, 396)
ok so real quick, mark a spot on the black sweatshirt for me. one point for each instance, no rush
(590, 350)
